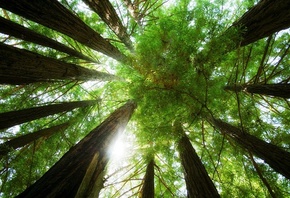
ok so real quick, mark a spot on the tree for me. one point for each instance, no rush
(198, 183)
(276, 157)
(277, 90)
(184, 53)
(12, 118)
(148, 185)
(18, 31)
(79, 170)
(21, 141)
(57, 17)
(18, 66)
(273, 16)
(109, 15)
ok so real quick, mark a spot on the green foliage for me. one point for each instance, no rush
(177, 72)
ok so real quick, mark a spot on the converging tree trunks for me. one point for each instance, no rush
(276, 157)
(54, 15)
(79, 172)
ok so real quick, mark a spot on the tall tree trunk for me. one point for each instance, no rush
(23, 140)
(19, 66)
(133, 10)
(264, 19)
(79, 170)
(12, 118)
(52, 14)
(198, 183)
(277, 90)
(108, 14)
(13, 29)
(147, 190)
(277, 158)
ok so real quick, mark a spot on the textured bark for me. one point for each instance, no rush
(198, 183)
(264, 19)
(277, 90)
(82, 164)
(108, 14)
(133, 10)
(147, 190)
(13, 29)
(23, 140)
(19, 66)
(12, 118)
(277, 158)
(52, 14)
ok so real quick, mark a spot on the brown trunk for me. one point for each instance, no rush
(52, 14)
(147, 190)
(133, 10)
(21, 141)
(198, 183)
(18, 66)
(13, 29)
(78, 171)
(264, 19)
(277, 158)
(277, 90)
(108, 14)
(12, 118)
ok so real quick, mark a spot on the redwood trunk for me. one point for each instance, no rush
(13, 29)
(19, 66)
(21, 141)
(78, 171)
(147, 190)
(52, 14)
(198, 183)
(12, 118)
(133, 10)
(277, 90)
(277, 158)
(264, 19)
(108, 14)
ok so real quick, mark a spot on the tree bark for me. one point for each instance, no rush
(147, 190)
(109, 15)
(277, 90)
(78, 171)
(13, 29)
(198, 183)
(23, 140)
(133, 10)
(264, 19)
(274, 156)
(12, 118)
(52, 14)
(19, 66)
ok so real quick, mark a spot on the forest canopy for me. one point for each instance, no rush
(144, 98)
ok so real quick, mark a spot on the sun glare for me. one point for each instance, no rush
(118, 149)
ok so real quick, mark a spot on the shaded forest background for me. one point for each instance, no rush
(195, 93)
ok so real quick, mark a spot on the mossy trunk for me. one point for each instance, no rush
(276, 157)
(13, 29)
(198, 183)
(81, 168)
(19, 66)
(54, 15)
(12, 118)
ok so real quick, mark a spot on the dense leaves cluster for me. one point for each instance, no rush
(185, 53)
